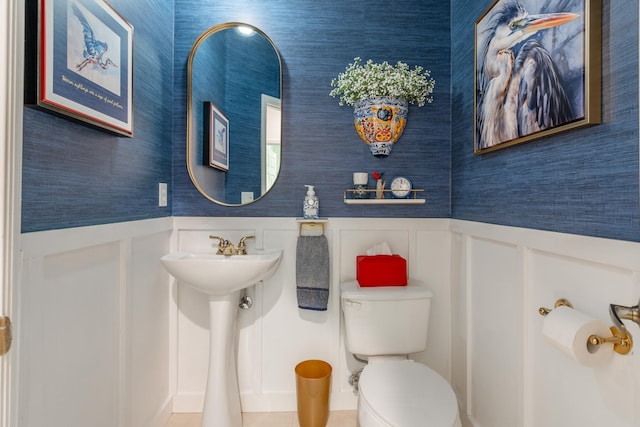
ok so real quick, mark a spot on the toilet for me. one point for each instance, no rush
(386, 324)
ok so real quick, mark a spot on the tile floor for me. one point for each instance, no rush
(267, 419)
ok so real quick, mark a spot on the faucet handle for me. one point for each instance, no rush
(242, 246)
(222, 244)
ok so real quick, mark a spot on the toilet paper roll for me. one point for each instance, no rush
(569, 330)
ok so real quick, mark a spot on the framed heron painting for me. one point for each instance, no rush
(85, 63)
(216, 138)
(537, 70)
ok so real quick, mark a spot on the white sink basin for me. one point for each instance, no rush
(220, 275)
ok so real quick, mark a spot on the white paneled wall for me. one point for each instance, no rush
(94, 326)
(275, 335)
(505, 371)
(108, 338)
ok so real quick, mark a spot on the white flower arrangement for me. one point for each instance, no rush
(371, 80)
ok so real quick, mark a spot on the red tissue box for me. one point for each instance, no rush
(381, 270)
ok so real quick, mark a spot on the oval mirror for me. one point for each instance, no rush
(234, 87)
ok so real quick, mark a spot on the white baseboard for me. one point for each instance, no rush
(188, 403)
(163, 415)
(269, 402)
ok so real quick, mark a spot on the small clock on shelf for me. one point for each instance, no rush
(401, 187)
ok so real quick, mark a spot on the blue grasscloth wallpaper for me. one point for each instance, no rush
(583, 181)
(316, 41)
(75, 175)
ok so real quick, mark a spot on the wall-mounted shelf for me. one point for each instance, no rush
(384, 201)
(349, 198)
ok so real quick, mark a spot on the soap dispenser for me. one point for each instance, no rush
(311, 206)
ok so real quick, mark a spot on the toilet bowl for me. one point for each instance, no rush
(385, 325)
(405, 394)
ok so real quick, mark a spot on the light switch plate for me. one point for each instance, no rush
(162, 194)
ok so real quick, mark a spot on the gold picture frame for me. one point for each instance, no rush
(537, 70)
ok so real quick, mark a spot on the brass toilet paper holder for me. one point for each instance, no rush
(620, 338)
(562, 302)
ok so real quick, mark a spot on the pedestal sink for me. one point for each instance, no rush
(221, 278)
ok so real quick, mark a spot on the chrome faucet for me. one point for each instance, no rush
(225, 247)
(242, 247)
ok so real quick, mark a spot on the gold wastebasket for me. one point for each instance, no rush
(313, 382)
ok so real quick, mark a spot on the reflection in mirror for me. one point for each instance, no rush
(234, 86)
(270, 141)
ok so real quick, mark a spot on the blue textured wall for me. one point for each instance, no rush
(76, 175)
(583, 181)
(208, 85)
(246, 116)
(320, 146)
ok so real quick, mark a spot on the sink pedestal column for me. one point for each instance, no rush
(222, 396)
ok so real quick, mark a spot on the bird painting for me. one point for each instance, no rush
(520, 88)
(94, 51)
(220, 137)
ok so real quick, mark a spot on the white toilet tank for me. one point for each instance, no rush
(385, 320)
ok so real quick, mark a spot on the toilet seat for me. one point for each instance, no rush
(405, 394)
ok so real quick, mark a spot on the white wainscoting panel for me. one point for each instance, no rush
(512, 374)
(73, 345)
(494, 317)
(95, 326)
(108, 338)
(275, 334)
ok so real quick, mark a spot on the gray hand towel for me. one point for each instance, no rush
(312, 272)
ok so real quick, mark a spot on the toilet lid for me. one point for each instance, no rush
(408, 394)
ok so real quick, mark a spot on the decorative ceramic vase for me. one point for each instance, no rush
(361, 191)
(380, 122)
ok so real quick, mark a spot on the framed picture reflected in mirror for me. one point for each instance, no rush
(216, 137)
